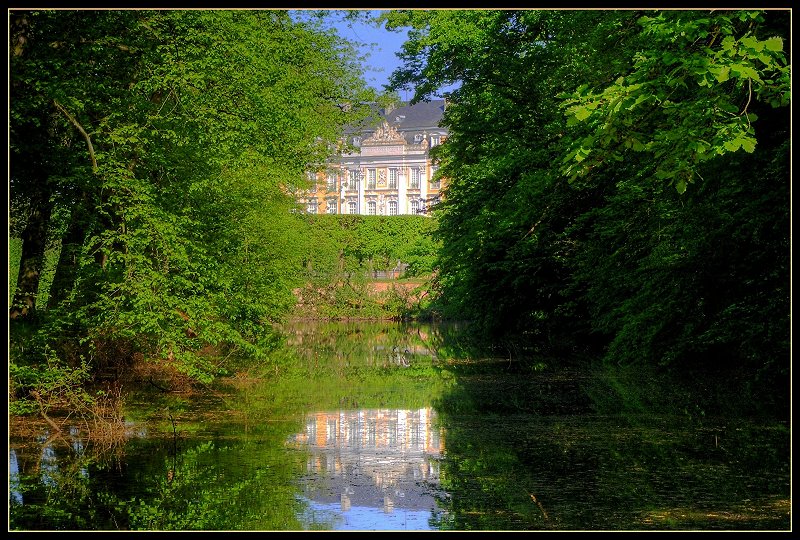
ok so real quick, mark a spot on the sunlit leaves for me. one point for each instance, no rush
(202, 122)
(695, 83)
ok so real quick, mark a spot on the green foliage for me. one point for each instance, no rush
(349, 242)
(54, 385)
(14, 255)
(342, 253)
(557, 229)
(176, 140)
(687, 98)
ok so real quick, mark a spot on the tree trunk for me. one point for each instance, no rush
(67, 267)
(34, 241)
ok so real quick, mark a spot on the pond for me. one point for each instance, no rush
(407, 426)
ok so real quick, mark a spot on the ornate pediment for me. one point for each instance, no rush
(385, 134)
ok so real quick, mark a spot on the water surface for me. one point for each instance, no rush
(393, 426)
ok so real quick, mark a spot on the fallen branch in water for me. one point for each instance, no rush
(47, 419)
(544, 513)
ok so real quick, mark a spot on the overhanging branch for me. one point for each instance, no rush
(83, 132)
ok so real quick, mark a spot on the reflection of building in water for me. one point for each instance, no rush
(397, 430)
(378, 458)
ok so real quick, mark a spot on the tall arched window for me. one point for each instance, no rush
(413, 181)
(415, 206)
(392, 208)
(354, 176)
(435, 184)
(351, 207)
(371, 208)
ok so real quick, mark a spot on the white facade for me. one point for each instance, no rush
(389, 174)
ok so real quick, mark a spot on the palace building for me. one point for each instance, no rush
(388, 171)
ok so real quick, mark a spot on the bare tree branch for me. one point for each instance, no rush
(83, 132)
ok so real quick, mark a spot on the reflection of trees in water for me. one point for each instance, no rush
(58, 466)
(590, 467)
(209, 487)
(155, 485)
(380, 343)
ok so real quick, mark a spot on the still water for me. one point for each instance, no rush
(396, 426)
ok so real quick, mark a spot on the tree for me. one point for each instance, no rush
(505, 208)
(569, 133)
(177, 140)
(687, 97)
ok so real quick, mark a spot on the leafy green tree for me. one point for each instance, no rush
(342, 252)
(505, 208)
(177, 139)
(566, 220)
(688, 95)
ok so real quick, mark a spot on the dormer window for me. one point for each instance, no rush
(418, 138)
(434, 140)
(356, 141)
(399, 118)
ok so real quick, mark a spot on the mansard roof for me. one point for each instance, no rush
(419, 117)
(425, 114)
